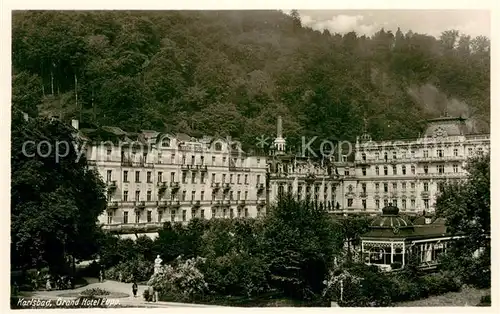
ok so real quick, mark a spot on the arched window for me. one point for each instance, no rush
(165, 142)
(218, 146)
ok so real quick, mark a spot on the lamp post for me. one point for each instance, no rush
(341, 289)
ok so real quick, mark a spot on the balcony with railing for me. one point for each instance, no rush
(240, 169)
(113, 205)
(175, 185)
(174, 204)
(478, 137)
(227, 186)
(196, 204)
(142, 226)
(215, 186)
(202, 168)
(127, 162)
(410, 159)
(310, 178)
(162, 186)
(216, 204)
(111, 185)
(139, 205)
(162, 204)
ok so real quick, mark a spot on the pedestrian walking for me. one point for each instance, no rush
(120, 277)
(101, 276)
(48, 285)
(134, 289)
(151, 293)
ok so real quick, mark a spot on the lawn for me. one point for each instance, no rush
(466, 297)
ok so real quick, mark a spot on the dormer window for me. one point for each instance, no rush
(165, 142)
(218, 146)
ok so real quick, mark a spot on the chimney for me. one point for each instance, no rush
(280, 127)
(75, 123)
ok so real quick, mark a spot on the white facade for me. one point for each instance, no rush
(407, 173)
(164, 178)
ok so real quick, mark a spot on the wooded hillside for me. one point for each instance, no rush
(233, 72)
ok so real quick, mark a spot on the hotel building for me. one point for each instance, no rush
(409, 173)
(152, 178)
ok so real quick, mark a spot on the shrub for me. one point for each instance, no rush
(396, 265)
(183, 280)
(94, 292)
(405, 288)
(92, 270)
(147, 297)
(438, 283)
(236, 273)
(135, 269)
(485, 300)
(299, 242)
(367, 286)
(362, 286)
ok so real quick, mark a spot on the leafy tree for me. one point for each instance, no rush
(466, 207)
(299, 244)
(53, 215)
(351, 228)
(229, 73)
(27, 92)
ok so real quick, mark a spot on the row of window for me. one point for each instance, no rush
(350, 203)
(439, 153)
(149, 195)
(239, 213)
(201, 160)
(109, 175)
(394, 186)
(218, 146)
(439, 169)
(281, 188)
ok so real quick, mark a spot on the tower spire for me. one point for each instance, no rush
(279, 128)
(365, 137)
(279, 142)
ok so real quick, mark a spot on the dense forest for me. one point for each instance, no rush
(233, 72)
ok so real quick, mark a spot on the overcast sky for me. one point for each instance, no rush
(432, 22)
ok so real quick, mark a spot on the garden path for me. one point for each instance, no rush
(120, 287)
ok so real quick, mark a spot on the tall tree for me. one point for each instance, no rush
(466, 207)
(53, 215)
(300, 244)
